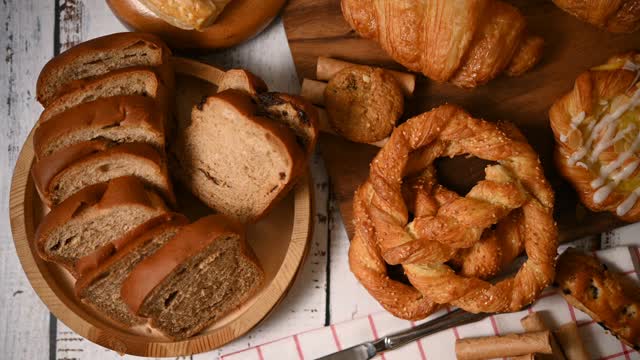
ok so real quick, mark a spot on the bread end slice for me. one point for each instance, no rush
(206, 270)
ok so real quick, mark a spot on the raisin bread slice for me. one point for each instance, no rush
(204, 272)
(234, 160)
(122, 119)
(93, 217)
(127, 81)
(67, 171)
(104, 271)
(96, 57)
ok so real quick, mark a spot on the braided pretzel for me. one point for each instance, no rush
(479, 234)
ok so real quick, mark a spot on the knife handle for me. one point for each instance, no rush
(454, 318)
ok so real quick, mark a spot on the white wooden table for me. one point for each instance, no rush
(32, 32)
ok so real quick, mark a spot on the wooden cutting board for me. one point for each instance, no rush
(316, 28)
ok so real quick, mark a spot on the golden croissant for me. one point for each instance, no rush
(617, 16)
(465, 42)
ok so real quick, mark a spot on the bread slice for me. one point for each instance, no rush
(243, 80)
(122, 119)
(235, 161)
(200, 275)
(128, 81)
(100, 286)
(99, 56)
(75, 167)
(93, 217)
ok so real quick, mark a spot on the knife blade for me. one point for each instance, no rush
(370, 349)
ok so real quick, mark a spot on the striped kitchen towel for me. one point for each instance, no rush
(323, 341)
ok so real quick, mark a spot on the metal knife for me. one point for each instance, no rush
(370, 349)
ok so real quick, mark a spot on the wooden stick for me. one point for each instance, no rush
(504, 346)
(534, 322)
(328, 67)
(313, 91)
(571, 343)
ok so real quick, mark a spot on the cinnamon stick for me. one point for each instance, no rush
(313, 91)
(571, 343)
(328, 67)
(534, 322)
(504, 346)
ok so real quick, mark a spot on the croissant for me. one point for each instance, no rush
(596, 127)
(465, 42)
(617, 16)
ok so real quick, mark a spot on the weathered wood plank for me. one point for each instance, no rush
(26, 43)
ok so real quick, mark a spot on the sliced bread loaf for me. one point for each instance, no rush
(104, 271)
(128, 81)
(99, 56)
(235, 161)
(121, 119)
(243, 80)
(67, 171)
(93, 217)
(205, 271)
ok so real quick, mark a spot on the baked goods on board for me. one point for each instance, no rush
(466, 42)
(605, 296)
(597, 130)
(478, 235)
(101, 167)
(205, 271)
(189, 14)
(617, 16)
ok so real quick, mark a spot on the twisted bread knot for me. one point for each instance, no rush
(479, 234)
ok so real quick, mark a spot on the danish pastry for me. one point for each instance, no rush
(597, 131)
(453, 243)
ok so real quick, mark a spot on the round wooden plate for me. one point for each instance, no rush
(239, 21)
(280, 241)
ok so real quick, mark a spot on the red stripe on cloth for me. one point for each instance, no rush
(494, 325)
(624, 353)
(423, 356)
(259, 353)
(298, 347)
(571, 312)
(335, 337)
(455, 333)
(375, 332)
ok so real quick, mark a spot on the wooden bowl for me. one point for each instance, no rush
(280, 241)
(239, 21)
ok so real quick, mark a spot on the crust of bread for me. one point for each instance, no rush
(160, 92)
(606, 297)
(133, 111)
(113, 42)
(120, 191)
(243, 80)
(46, 171)
(88, 264)
(189, 241)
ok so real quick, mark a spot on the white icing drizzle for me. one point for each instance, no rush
(628, 203)
(603, 102)
(582, 165)
(575, 122)
(606, 141)
(625, 172)
(632, 66)
(604, 124)
(602, 193)
(608, 169)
